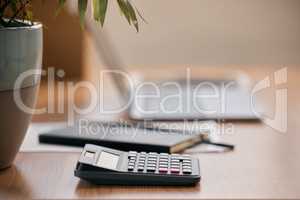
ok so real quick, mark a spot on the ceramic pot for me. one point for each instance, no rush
(21, 50)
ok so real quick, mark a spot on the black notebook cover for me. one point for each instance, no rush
(124, 138)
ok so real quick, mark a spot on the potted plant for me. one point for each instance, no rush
(21, 47)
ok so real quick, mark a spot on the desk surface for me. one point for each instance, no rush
(265, 164)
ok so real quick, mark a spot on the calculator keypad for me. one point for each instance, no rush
(162, 163)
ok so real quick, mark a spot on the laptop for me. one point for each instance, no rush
(177, 99)
(181, 99)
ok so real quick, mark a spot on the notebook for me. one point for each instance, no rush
(125, 137)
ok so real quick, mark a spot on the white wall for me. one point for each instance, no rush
(199, 32)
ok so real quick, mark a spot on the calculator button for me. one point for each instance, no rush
(151, 169)
(163, 170)
(186, 168)
(132, 154)
(151, 165)
(140, 169)
(132, 160)
(131, 163)
(175, 171)
(164, 159)
(163, 156)
(175, 163)
(187, 171)
(163, 163)
(151, 161)
(130, 168)
(186, 164)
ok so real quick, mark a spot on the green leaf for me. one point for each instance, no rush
(61, 4)
(100, 8)
(82, 7)
(132, 14)
(123, 7)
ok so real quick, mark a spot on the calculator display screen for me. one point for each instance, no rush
(108, 160)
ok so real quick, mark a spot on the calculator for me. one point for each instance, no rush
(106, 166)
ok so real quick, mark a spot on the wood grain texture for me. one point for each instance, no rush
(265, 164)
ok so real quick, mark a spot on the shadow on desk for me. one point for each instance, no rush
(85, 188)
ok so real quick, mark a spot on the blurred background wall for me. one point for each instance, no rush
(200, 32)
(179, 32)
(63, 38)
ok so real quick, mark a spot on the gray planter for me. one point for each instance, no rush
(20, 51)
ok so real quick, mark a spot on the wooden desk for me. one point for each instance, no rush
(265, 164)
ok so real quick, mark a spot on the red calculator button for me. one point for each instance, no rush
(163, 170)
(175, 171)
